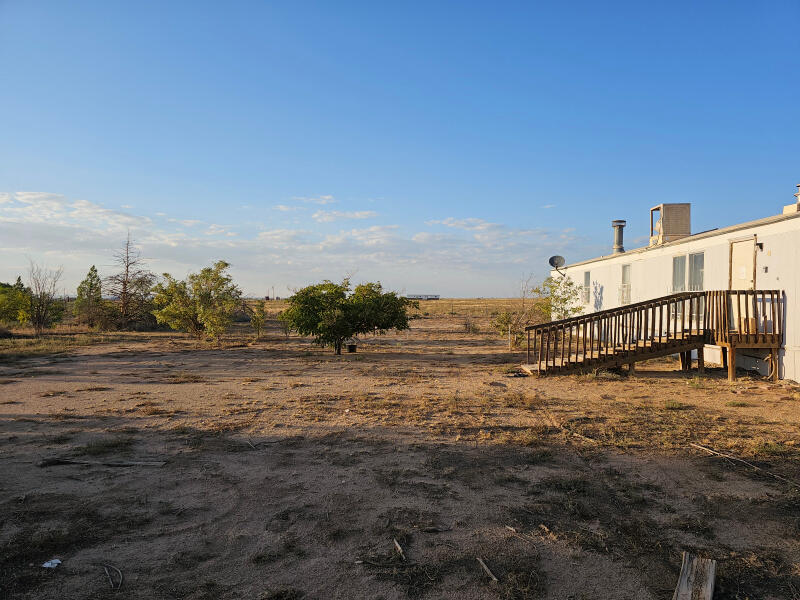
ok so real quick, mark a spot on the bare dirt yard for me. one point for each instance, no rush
(276, 470)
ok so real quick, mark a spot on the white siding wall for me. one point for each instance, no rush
(651, 276)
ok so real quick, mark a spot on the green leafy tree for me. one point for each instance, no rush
(258, 316)
(560, 297)
(14, 302)
(88, 307)
(203, 304)
(332, 313)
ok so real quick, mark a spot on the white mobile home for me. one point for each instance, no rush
(759, 255)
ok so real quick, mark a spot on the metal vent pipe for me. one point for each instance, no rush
(618, 225)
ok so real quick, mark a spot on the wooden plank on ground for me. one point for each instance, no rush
(696, 581)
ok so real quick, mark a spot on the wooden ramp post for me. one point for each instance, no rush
(773, 363)
(696, 581)
(732, 363)
(701, 361)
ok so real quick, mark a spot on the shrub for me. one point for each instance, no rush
(258, 316)
(203, 304)
(470, 326)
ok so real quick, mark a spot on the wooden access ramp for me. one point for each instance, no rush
(675, 324)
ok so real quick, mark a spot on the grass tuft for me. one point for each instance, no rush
(105, 446)
(676, 405)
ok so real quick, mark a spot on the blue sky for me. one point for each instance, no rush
(440, 147)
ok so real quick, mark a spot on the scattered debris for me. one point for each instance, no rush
(120, 578)
(486, 569)
(696, 581)
(52, 563)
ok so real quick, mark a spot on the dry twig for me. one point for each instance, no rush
(749, 464)
(399, 549)
(486, 569)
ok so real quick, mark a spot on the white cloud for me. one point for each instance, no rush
(471, 224)
(328, 216)
(316, 199)
(287, 208)
(215, 229)
(549, 206)
(466, 256)
(186, 222)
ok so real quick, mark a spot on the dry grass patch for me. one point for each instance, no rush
(185, 377)
(105, 446)
(676, 405)
(26, 347)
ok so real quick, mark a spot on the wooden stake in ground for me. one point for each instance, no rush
(696, 581)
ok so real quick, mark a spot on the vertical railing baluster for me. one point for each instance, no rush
(539, 334)
(528, 348)
(773, 310)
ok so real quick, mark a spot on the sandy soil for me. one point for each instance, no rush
(289, 472)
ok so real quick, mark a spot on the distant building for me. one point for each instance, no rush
(422, 297)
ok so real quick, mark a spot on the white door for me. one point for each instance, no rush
(742, 277)
(743, 264)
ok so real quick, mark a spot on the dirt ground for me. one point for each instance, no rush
(276, 470)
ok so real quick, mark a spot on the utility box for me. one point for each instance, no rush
(670, 222)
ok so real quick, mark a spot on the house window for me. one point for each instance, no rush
(587, 285)
(696, 265)
(625, 287)
(679, 273)
(691, 281)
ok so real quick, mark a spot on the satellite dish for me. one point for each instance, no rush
(556, 261)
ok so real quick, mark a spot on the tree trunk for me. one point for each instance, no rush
(338, 347)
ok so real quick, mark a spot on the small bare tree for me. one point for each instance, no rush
(131, 286)
(45, 309)
(528, 311)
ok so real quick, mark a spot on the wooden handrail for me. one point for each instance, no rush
(611, 310)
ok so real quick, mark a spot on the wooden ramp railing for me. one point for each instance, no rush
(673, 324)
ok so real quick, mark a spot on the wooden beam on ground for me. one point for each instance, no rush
(696, 581)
